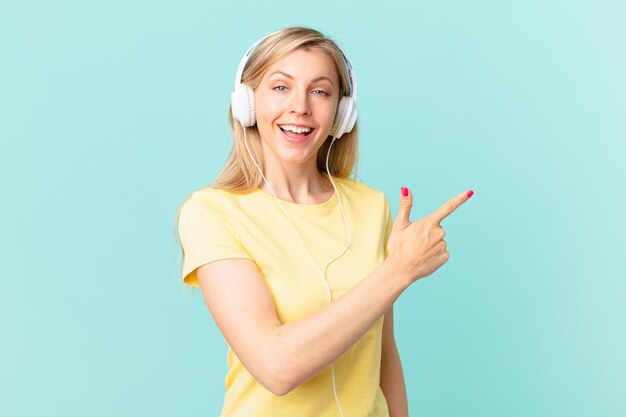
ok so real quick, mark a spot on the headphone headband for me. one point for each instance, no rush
(246, 57)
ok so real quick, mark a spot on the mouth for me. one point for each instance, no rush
(296, 133)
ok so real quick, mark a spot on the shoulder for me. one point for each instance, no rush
(211, 194)
(215, 198)
(209, 202)
(359, 189)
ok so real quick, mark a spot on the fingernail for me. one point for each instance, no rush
(470, 193)
(404, 191)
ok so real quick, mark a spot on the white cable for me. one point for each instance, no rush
(330, 298)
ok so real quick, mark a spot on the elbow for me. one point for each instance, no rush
(278, 371)
(280, 391)
(277, 380)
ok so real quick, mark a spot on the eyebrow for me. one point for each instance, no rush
(323, 77)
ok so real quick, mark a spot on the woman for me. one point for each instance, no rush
(299, 264)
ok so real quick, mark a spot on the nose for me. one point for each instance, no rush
(299, 103)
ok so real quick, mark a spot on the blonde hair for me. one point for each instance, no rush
(239, 174)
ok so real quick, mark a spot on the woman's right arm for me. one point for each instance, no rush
(283, 356)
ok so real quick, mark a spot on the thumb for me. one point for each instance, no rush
(404, 212)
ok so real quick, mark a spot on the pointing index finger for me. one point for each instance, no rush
(447, 209)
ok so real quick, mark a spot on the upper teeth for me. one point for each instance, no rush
(296, 129)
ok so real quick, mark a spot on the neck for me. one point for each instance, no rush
(298, 185)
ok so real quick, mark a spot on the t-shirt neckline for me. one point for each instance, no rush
(307, 208)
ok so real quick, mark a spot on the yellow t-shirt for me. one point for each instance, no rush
(217, 224)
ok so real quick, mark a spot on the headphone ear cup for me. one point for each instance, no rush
(351, 117)
(339, 116)
(345, 117)
(242, 105)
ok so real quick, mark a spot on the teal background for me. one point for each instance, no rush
(112, 112)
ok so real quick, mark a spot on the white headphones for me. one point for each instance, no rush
(242, 98)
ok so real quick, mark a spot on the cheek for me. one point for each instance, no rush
(265, 109)
(329, 115)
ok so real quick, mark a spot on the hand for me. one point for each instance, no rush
(417, 249)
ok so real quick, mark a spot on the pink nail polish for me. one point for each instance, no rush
(404, 191)
(470, 193)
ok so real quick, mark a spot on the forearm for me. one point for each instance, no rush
(392, 383)
(306, 346)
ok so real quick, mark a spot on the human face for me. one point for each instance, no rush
(295, 105)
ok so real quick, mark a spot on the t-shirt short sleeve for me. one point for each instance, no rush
(205, 237)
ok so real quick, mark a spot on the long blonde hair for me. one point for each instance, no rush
(239, 174)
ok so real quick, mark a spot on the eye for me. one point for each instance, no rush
(280, 88)
(320, 92)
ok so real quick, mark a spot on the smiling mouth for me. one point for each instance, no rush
(295, 129)
(296, 132)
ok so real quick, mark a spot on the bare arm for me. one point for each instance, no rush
(391, 376)
(283, 356)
